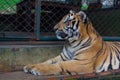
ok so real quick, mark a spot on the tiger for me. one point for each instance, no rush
(84, 50)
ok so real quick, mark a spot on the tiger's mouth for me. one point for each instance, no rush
(61, 35)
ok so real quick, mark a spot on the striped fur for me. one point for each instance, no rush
(83, 52)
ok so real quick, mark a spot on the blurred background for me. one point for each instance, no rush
(35, 19)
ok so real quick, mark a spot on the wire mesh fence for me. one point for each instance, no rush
(105, 16)
(18, 18)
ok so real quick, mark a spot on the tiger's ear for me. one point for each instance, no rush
(83, 16)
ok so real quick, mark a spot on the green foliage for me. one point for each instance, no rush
(7, 4)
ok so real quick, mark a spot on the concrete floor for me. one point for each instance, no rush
(20, 76)
(23, 76)
(16, 76)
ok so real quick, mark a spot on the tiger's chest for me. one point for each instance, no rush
(68, 53)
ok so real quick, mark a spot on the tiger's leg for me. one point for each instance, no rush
(50, 61)
(67, 67)
(53, 60)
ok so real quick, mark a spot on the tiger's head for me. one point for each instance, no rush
(73, 26)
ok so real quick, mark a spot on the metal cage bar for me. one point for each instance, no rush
(38, 11)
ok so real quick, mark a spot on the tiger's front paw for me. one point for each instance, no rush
(42, 69)
(33, 69)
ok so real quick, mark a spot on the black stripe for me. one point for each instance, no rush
(78, 24)
(73, 23)
(87, 43)
(70, 54)
(62, 69)
(66, 55)
(71, 28)
(73, 41)
(117, 52)
(62, 57)
(110, 65)
(87, 28)
(99, 52)
(116, 49)
(80, 59)
(103, 62)
(68, 72)
(104, 59)
(93, 30)
(117, 43)
(78, 44)
(77, 59)
(86, 21)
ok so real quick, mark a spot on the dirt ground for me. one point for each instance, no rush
(20, 76)
(23, 76)
(16, 76)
